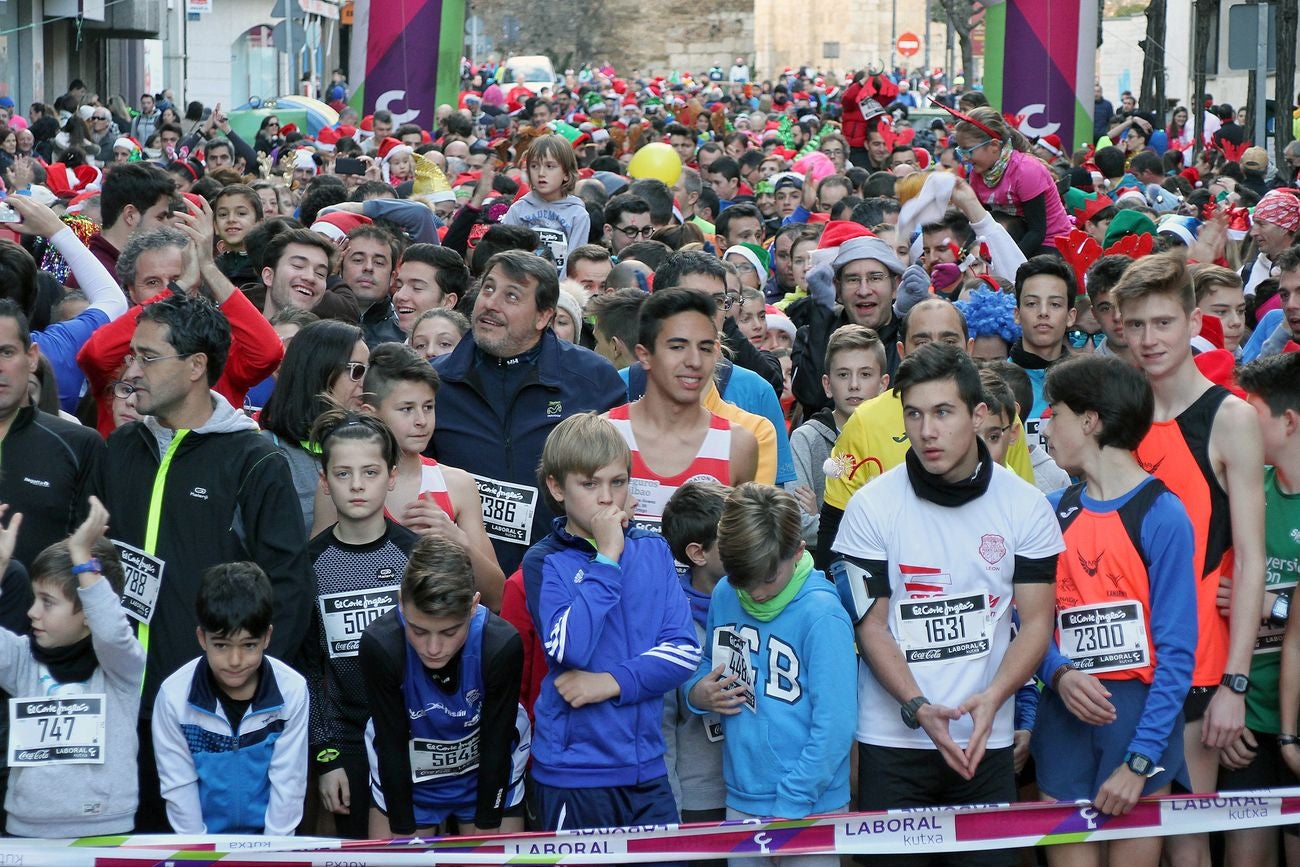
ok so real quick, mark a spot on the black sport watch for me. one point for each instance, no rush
(909, 710)
(1280, 610)
(1141, 765)
(1238, 683)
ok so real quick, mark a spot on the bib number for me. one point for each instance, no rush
(1102, 638)
(56, 731)
(1269, 638)
(554, 242)
(346, 615)
(507, 510)
(943, 628)
(432, 760)
(143, 576)
(731, 650)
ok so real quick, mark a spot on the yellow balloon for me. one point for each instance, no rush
(656, 160)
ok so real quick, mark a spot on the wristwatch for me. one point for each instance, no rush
(1141, 765)
(1281, 608)
(1238, 683)
(909, 710)
(92, 565)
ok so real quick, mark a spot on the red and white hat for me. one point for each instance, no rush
(327, 138)
(834, 236)
(1051, 143)
(390, 147)
(337, 224)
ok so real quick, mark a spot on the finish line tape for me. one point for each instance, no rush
(946, 829)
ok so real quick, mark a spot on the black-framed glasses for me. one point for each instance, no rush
(634, 232)
(994, 435)
(1079, 338)
(356, 370)
(123, 389)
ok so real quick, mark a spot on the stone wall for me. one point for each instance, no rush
(656, 37)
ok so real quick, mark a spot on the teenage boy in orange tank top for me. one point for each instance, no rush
(672, 437)
(1205, 445)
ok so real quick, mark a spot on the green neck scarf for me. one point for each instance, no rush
(768, 610)
(993, 176)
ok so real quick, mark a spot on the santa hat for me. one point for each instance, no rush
(288, 129)
(65, 183)
(346, 131)
(368, 125)
(337, 224)
(78, 202)
(126, 143)
(389, 145)
(430, 181)
(836, 233)
(327, 138)
(1052, 144)
(303, 158)
(778, 321)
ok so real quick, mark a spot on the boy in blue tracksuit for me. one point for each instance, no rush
(230, 728)
(617, 633)
(779, 668)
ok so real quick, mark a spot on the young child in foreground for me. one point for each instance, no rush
(617, 633)
(230, 728)
(782, 654)
(76, 683)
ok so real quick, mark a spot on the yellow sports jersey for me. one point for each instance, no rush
(759, 426)
(874, 440)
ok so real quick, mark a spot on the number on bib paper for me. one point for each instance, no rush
(1106, 637)
(942, 628)
(507, 509)
(60, 730)
(433, 759)
(346, 615)
(143, 577)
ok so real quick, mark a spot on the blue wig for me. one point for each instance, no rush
(991, 313)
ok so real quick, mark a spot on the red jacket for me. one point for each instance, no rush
(514, 608)
(255, 353)
(852, 124)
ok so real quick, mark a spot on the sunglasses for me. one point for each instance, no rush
(356, 370)
(964, 154)
(1079, 338)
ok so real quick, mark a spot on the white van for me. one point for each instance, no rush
(536, 70)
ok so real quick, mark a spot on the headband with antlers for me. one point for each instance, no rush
(966, 117)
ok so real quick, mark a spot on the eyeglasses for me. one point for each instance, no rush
(834, 152)
(101, 117)
(964, 154)
(146, 360)
(123, 389)
(356, 370)
(725, 301)
(1079, 338)
(632, 232)
(994, 435)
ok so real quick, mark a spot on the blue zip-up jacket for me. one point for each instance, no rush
(630, 619)
(790, 757)
(495, 434)
(220, 778)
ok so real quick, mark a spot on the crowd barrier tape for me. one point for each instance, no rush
(943, 829)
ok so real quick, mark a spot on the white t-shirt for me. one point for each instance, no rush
(950, 578)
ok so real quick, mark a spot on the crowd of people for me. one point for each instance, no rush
(643, 450)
